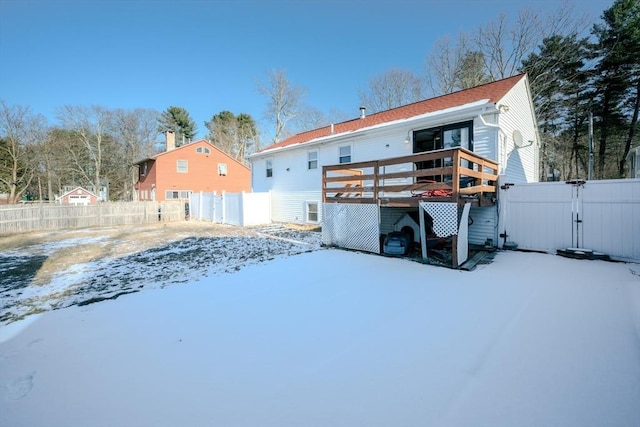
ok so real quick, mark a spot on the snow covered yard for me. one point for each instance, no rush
(52, 270)
(337, 338)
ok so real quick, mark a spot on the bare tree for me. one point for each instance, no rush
(310, 118)
(89, 125)
(20, 130)
(285, 101)
(454, 66)
(496, 50)
(392, 89)
(135, 132)
(503, 47)
(441, 64)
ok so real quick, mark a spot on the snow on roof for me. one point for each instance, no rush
(487, 93)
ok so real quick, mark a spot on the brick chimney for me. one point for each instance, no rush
(170, 137)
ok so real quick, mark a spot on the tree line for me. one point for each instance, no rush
(581, 73)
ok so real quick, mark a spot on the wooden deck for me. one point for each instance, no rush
(449, 175)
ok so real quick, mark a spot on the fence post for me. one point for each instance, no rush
(241, 209)
(213, 207)
(224, 205)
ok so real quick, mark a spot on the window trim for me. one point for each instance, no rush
(182, 194)
(309, 160)
(268, 163)
(340, 156)
(308, 211)
(186, 166)
(441, 130)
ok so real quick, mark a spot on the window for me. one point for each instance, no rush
(204, 150)
(199, 150)
(441, 137)
(312, 160)
(222, 169)
(269, 164)
(345, 154)
(450, 136)
(182, 166)
(177, 194)
(143, 169)
(312, 211)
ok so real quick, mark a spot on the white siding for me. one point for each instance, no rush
(291, 175)
(485, 137)
(520, 165)
(290, 206)
(485, 225)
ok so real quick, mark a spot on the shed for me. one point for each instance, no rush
(78, 196)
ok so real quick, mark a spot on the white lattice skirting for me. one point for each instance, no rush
(445, 217)
(351, 226)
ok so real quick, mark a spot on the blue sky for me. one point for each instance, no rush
(206, 56)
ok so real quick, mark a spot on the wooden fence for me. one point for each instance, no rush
(42, 216)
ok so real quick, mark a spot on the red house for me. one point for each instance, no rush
(194, 167)
(78, 196)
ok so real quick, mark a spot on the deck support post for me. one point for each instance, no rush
(423, 234)
(454, 251)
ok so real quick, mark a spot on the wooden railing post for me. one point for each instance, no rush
(324, 184)
(455, 178)
(376, 170)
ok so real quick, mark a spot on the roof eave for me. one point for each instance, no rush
(461, 109)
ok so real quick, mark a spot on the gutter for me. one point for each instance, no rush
(438, 117)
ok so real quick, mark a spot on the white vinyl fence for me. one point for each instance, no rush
(603, 216)
(44, 216)
(243, 209)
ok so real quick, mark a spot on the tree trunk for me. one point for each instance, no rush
(604, 132)
(632, 130)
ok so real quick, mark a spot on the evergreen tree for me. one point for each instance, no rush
(178, 120)
(235, 135)
(617, 82)
(561, 100)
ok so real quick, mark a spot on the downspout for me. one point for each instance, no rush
(501, 206)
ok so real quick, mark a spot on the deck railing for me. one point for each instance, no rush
(449, 175)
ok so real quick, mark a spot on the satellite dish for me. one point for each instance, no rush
(517, 139)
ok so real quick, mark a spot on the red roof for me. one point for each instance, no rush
(191, 144)
(492, 92)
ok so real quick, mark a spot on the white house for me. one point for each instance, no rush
(495, 121)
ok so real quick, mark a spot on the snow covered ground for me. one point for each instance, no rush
(337, 338)
(54, 270)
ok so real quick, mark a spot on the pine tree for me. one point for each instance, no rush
(617, 80)
(178, 120)
(561, 100)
